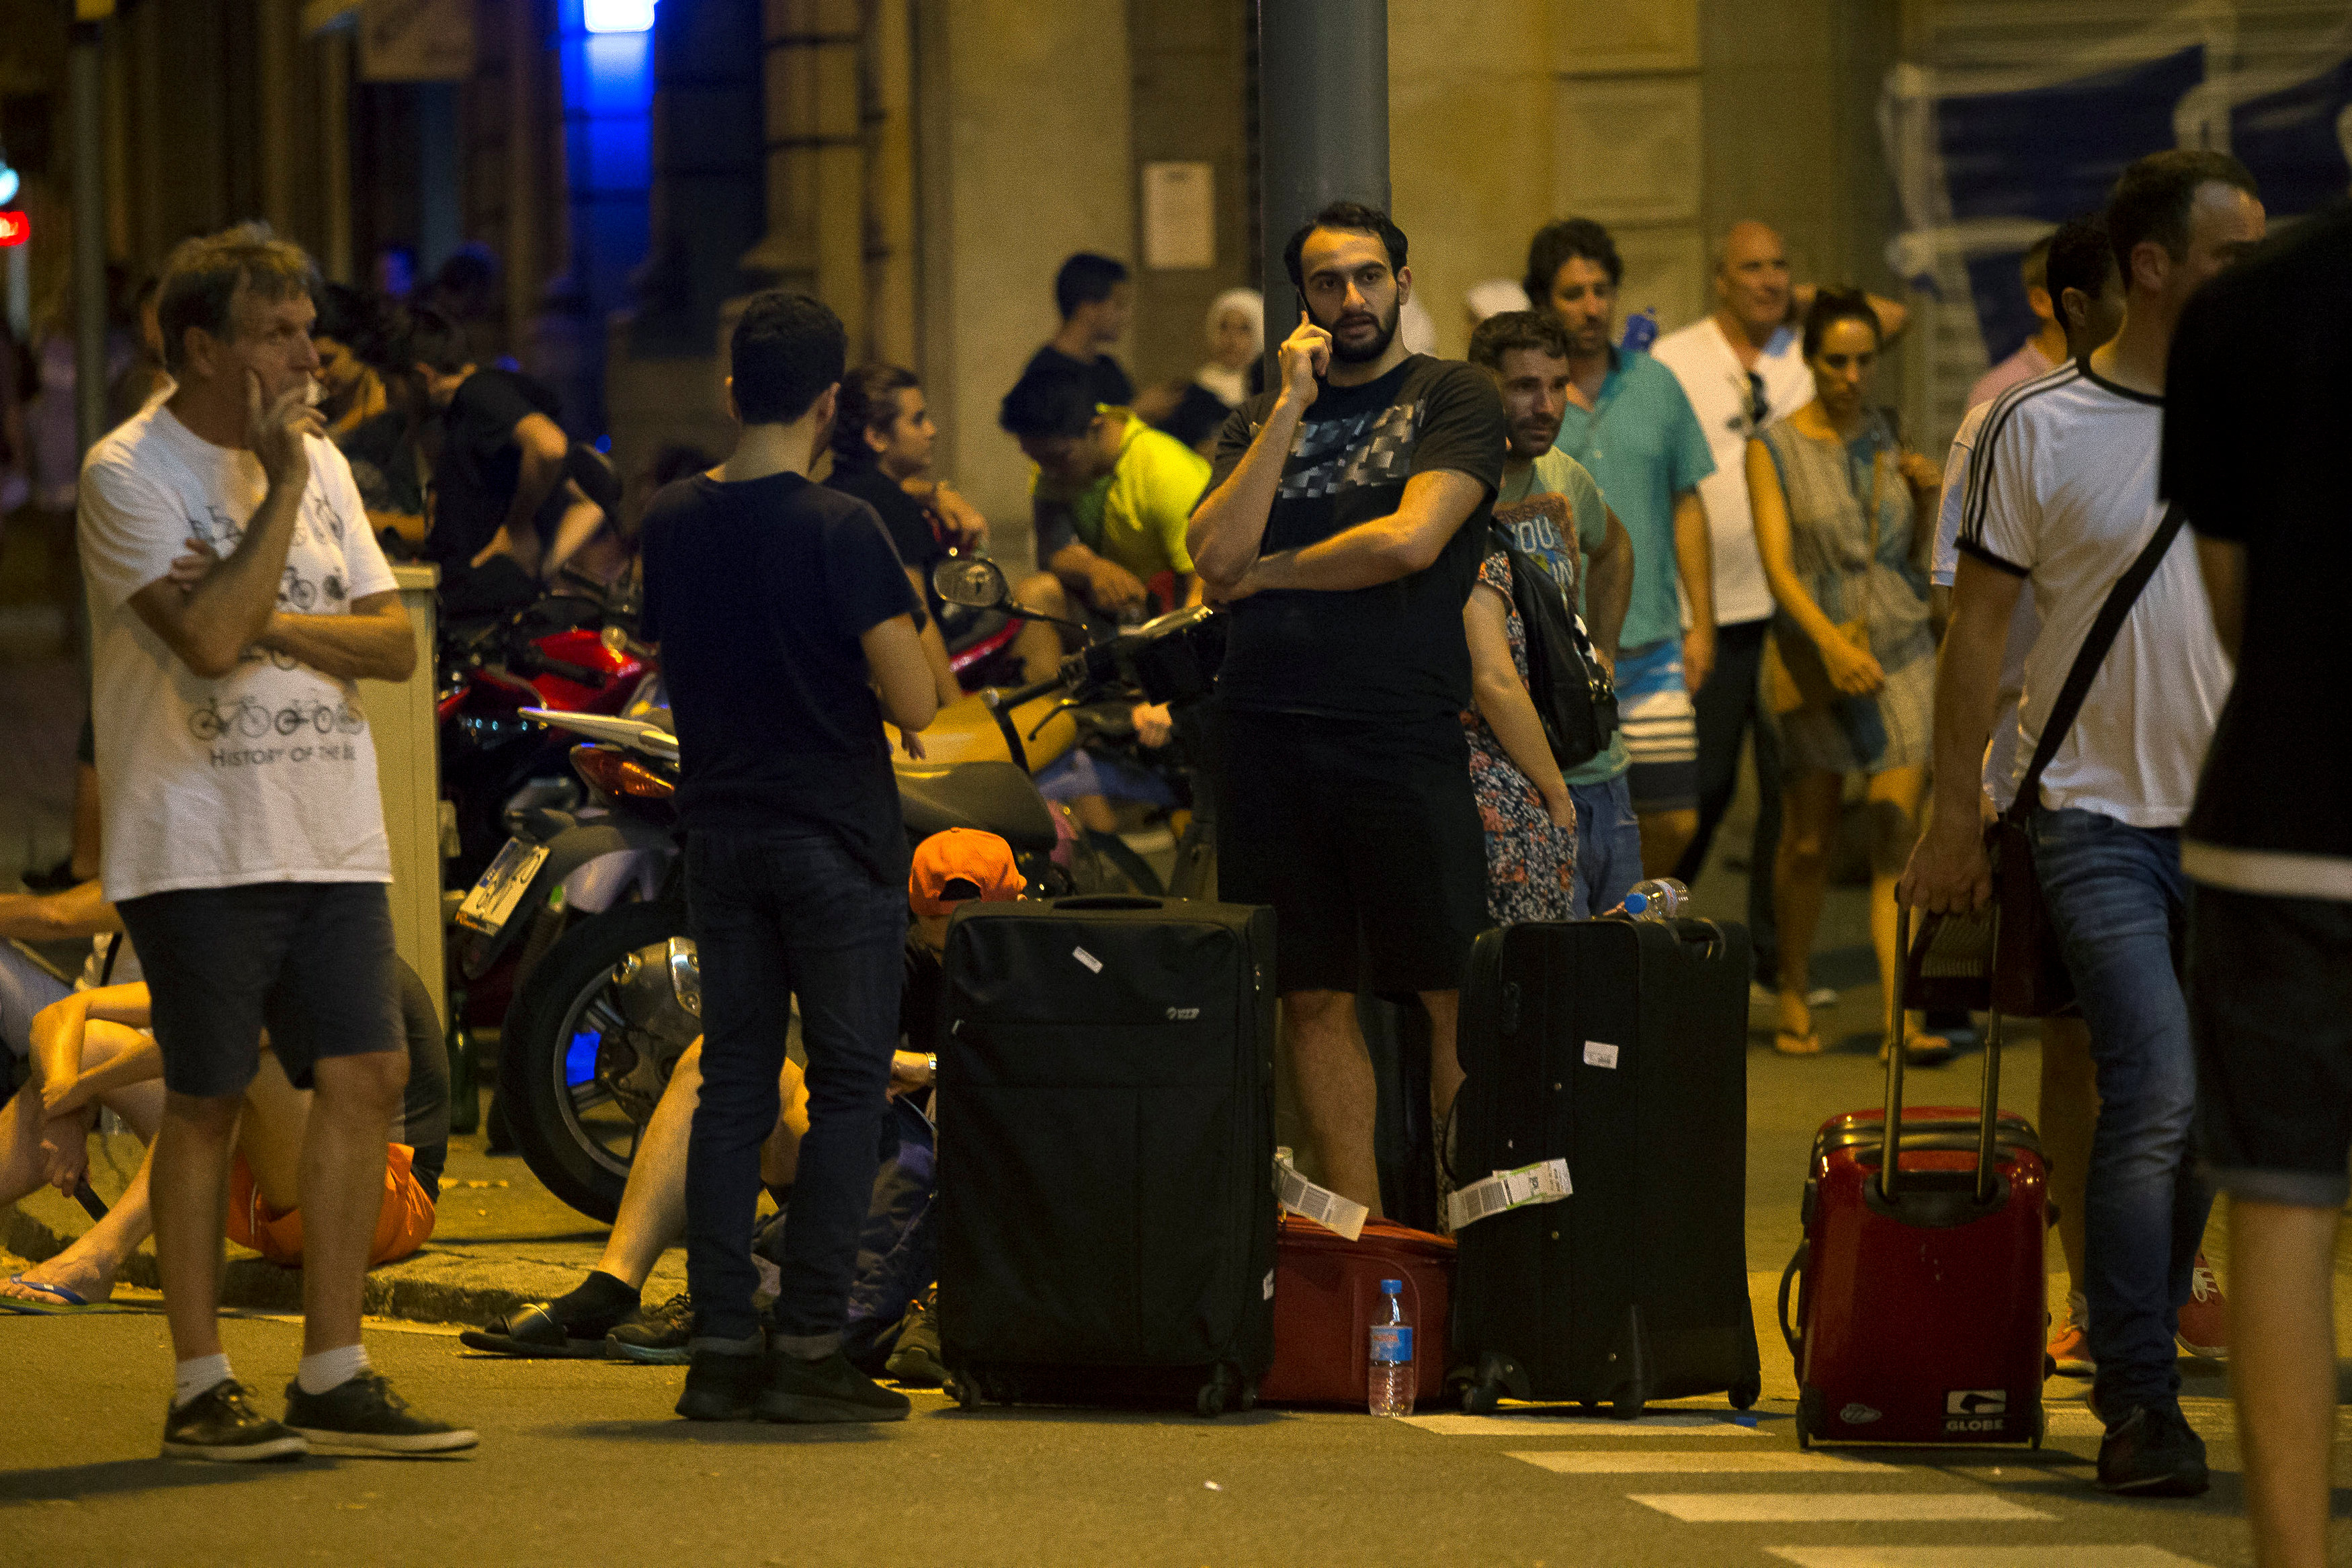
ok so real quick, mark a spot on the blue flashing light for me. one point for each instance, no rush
(617, 16)
(580, 1057)
(9, 181)
(605, 445)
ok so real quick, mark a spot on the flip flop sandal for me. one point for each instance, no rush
(68, 1301)
(533, 1333)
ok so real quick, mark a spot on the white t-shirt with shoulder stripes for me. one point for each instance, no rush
(2061, 491)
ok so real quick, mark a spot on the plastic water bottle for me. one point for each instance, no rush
(1640, 330)
(1392, 1378)
(1660, 898)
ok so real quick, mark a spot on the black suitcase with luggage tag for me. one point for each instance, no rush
(1105, 1121)
(1607, 1061)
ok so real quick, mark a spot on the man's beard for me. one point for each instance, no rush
(1537, 438)
(1365, 354)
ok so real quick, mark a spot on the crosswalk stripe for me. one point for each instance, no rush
(1685, 1461)
(1669, 1424)
(1979, 1556)
(1808, 1507)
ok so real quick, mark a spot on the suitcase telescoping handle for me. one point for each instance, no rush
(1892, 1133)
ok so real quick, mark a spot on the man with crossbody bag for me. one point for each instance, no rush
(2061, 493)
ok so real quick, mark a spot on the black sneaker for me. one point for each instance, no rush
(362, 1411)
(2152, 1452)
(221, 1425)
(915, 1361)
(826, 1390)
(658, 1335)
(722, 1386)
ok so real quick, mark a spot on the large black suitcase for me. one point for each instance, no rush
(1620, 1046)
(1106, 1117)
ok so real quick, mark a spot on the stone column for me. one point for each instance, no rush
(816, 156)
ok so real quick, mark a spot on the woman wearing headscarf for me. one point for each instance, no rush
(1194, 412)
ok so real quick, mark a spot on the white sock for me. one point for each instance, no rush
(190, 1378)
(331, 1368)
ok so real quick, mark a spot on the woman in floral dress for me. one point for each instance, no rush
(1522, 797)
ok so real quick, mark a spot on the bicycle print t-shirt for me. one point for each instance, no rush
(267, 774)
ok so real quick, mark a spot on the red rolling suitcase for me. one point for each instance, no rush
(1921, 1308)
(1325, 1288)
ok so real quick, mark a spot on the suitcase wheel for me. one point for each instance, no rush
(1247, 1401)
(961, 1389)
(1626, 1407)
(1480, 1398)
(1215, 1395)
(1744, 1394)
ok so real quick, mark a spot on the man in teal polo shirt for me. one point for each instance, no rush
(1629, 426)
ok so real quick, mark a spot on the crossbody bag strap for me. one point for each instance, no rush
(2093, 653)
(106, 968)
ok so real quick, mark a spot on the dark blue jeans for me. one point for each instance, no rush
(2121, 906)
(775, 916)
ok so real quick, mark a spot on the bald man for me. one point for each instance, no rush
(1741, 370)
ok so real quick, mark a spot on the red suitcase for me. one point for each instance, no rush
(1921, 1310)
(1325, 1288)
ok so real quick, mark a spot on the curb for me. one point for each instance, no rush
(436, 1286)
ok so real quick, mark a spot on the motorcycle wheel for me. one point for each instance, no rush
(562, 1121)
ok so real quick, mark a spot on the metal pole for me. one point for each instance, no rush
(89, 88)
(1323, 125)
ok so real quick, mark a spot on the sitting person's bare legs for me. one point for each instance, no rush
(652, 1205)
(87, 1266)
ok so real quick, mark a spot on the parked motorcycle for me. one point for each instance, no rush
(599, 1024)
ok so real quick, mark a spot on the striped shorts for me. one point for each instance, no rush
(1653, 709)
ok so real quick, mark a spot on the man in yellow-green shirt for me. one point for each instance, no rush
(1112, 496)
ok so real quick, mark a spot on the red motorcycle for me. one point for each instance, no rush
(500, 770)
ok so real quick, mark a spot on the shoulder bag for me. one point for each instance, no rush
(2006, 958)
(1573, 695)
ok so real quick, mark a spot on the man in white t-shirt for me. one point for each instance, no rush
(2062, 494)
(2079, 267)
(1741, 369)
(244, 842)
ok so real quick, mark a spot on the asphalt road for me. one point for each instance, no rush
(583, 1463)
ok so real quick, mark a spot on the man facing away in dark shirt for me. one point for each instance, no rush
(1345, 521)
(787, 635)
(1096, 299)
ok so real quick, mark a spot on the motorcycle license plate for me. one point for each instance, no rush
(492, 902)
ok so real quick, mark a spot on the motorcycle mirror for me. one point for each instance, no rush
(973, 581)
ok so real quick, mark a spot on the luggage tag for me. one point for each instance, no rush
(1320, 1203)
(1505, 1190)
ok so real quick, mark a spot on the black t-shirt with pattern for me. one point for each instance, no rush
(1390, 653)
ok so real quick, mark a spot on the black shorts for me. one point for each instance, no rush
(1365, 839)
(2269, 998)
(310, 961)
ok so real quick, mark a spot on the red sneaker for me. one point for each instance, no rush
(2205, 1317)
(2072, 1349)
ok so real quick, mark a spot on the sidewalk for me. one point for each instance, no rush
(500, 1240)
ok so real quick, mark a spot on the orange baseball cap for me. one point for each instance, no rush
(966, 855)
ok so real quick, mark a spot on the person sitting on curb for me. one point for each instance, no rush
(603, 1315)
(91, 1048)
